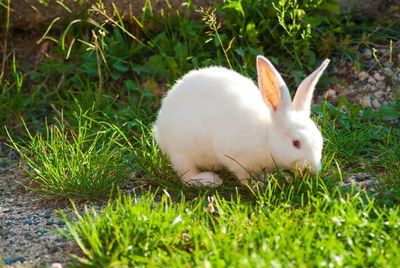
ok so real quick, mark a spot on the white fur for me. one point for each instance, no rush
(215, 118)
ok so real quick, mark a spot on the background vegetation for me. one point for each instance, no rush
(81, 116)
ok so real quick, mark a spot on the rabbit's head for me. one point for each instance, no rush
(294, 139)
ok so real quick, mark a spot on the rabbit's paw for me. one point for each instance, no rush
(207, 179)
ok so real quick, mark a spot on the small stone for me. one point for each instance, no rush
(330, 93)
(370, 88)
(376, 104)
(59, 239)
(28, 236)
(378, 94)
(53, 249)
(56, 265)
(40, 232)
(387, 71)
(380, 85)
(367, 53)
(388, 88)
(371, 80)
(379, 77)
(362, 76)
(366, 101)
(9, 261)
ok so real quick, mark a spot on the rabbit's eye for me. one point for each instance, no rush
(296, 144)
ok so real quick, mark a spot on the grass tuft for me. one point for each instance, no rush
(67, 164)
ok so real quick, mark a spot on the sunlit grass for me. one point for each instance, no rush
(271, 230)
(64, 163)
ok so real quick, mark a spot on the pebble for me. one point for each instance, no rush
(388, 71)
(379, 77)
(381, 84)
(10, 261)
(371, 88)
(376, 104)
(330, 93)
(362, 76)
(371, 80)
(367, 53)
(366, 101)
(378, 94)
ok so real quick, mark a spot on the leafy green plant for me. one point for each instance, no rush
(284, 30)
(63, 163)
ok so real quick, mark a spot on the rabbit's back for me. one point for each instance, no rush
(203, 108)
(211, 94)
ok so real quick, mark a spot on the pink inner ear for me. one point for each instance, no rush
(268, 84)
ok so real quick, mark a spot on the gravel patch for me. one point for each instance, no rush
(375, 85)
(27, 223)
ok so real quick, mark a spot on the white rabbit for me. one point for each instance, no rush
(215, 118)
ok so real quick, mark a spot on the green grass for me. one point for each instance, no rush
(272, 230)
(63, 163)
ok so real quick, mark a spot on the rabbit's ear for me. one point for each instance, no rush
(273, 89)
(303, 97)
